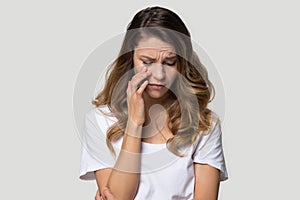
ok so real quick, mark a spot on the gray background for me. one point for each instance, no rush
(253, 44)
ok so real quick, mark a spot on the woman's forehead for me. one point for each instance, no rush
(154, 45)
(154, 52)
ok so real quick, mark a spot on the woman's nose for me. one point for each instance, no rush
(158, 72)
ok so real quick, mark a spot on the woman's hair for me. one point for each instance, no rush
(188, 112)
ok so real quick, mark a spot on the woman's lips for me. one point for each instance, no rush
(155, 86)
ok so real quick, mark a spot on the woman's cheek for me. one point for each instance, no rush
(138, 67)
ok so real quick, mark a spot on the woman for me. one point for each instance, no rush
(151, 135)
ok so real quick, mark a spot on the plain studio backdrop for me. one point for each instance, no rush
(253, 44)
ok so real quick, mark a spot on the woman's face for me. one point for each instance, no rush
(160, 59)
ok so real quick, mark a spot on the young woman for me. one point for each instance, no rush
(151, 134)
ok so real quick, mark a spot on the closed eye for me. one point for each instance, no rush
(170, 63)
(147, 63)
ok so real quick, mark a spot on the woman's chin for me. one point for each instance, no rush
(156, 95)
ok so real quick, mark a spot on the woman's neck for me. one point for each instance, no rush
(156, 129)
(158, 107)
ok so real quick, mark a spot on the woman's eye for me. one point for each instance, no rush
(170, 64)
(147, 63)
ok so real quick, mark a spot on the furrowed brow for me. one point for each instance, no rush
(171, 58)
(147, 57)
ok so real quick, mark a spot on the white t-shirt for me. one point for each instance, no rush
(163, 174)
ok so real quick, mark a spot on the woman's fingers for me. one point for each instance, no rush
(108, 195)
(135, 101)
(98, 196)
(142, 87)
(138, 78)
(136, 82)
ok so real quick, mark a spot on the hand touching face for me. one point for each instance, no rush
(160, 59)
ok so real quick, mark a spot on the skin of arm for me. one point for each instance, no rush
(207, 181)
(122, 181)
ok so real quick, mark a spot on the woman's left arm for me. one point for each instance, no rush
(207, 181)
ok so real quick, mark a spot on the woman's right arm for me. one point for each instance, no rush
(123, 179)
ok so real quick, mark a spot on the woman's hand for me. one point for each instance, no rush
(107, 195)
(135, 101)
(98, 195)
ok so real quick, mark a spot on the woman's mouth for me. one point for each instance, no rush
(155, 86)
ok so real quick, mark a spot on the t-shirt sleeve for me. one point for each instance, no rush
(95, 153)
(209, 150)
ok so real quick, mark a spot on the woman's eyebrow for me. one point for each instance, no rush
(149, 58)
(171, 58)
(153, 59)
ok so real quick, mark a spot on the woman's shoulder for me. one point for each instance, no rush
(214, 127)
(103, 110)
(100, 113)
(98, 120)
(215, 120)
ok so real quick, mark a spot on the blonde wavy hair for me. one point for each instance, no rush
(187, 118)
